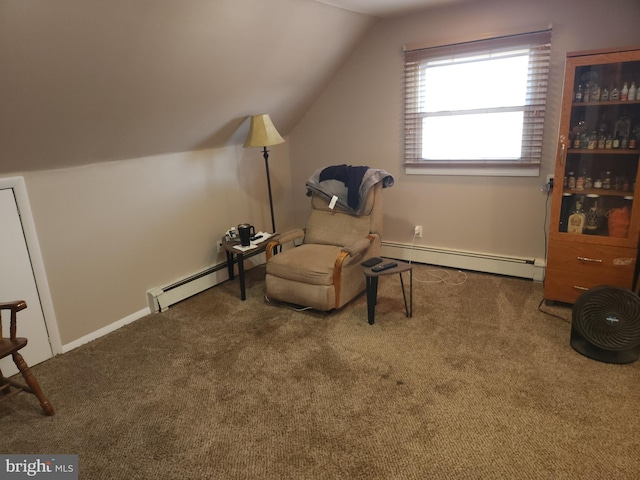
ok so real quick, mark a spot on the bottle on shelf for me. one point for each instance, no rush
(606, 183)
(614, 94)
(624, 142)
(584, 140)
(595, 93)
(604, 96)
(575, 142)
(616, 142)
(586, 93)
(622, 129)
(592, 217)
(571, 181)
(578, 96)
(576, 220)
(578, 131)
(633, 91)
(592, 143)
(633, 139)
(624, 93)
(580, 181)
(588, 183)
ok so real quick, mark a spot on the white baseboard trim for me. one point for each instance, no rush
(105, 330)
(529, 268)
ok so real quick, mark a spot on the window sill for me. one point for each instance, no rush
(532, 171)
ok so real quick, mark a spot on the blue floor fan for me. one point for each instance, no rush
(606, 325)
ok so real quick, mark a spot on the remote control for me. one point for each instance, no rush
(371, 262)
(386, 266)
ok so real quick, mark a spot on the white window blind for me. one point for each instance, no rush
(477, 104)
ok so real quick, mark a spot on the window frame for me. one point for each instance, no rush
(528, 164)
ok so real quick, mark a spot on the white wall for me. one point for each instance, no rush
(358, 120)
(111, 231)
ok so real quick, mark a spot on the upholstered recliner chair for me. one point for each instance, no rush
(324, 272)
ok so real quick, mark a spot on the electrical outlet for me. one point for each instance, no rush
(417, 231)
(547, 187)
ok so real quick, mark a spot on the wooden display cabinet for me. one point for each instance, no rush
(595, 217)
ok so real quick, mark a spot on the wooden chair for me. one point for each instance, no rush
(10, 346)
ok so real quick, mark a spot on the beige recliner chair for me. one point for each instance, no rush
(324, 271)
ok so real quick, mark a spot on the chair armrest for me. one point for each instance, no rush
(356, 248)
(289, 236)
(14, 306)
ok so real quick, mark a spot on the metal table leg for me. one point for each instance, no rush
(372, 294)
(230, 264)
(407, 309)
(243, 294)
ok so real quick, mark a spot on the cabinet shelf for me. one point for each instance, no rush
(603, 151)
(605, 104)
(603, 192)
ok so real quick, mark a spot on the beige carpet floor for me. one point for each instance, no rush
(479, 384)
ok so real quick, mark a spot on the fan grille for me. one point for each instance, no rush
(609, 317)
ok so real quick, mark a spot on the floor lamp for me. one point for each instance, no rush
(263, 134)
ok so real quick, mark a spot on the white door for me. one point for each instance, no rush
(17, 282)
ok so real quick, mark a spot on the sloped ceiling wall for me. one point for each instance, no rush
(85, 81)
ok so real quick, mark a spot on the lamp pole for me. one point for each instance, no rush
(265, 154)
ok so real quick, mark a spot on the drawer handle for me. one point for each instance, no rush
(578, 287)
(593, 260)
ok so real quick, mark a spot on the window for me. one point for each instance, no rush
(477, 107)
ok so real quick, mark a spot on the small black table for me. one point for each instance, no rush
(372, 286)
(237, 256)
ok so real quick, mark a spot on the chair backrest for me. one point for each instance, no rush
(337, 227)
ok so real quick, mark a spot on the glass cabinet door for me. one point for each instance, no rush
(601, 151)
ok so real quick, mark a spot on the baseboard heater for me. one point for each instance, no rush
(161, 298)
(480, 262)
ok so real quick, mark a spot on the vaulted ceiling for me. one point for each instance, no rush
(85, 81)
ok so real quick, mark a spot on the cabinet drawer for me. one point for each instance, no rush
(592, 259)
(567, 286)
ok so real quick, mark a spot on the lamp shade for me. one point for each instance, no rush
(262, 133)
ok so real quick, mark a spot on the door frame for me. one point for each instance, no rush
(37, 263)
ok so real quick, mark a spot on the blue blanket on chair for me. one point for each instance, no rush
(348, 183)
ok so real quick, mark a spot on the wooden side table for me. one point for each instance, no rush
(372, 286)
(237, 256)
